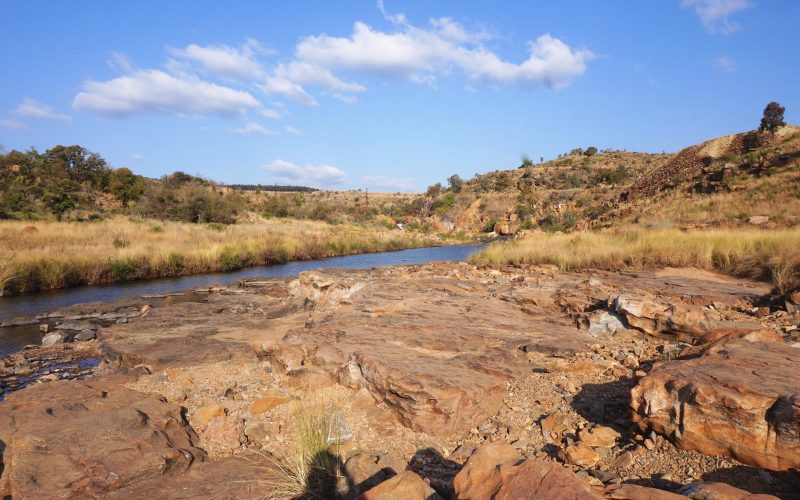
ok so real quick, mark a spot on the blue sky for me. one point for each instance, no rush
(387, 96)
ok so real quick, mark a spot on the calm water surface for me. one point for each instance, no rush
(35, 303)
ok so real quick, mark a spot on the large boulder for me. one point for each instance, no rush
(738, 398)
(84, 439)
(498, 471)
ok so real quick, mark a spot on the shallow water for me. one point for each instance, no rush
(35, 303)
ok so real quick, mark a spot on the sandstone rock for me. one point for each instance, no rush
(203, 415)
(555, 422)
(86, 438)
(579, 454)
(406, 485)
(223, 435)
(259, 431)
(267, 403)
(604, 324)
(86, 335)
(54, 338)
(498, 471)
(758, 220)
(599, 436)
(720, 491)
(635, 492)
(738, 399)
(367, 470)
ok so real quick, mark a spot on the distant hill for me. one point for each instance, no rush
(741, 179)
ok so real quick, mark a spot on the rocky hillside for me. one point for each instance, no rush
(747, 178)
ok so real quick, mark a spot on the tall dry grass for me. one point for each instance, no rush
(63, 254)
(313, 468)
(758, 254)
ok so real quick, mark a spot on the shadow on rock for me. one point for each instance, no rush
(784, 484)
(438, 470)
(605, 403)
(327, 478)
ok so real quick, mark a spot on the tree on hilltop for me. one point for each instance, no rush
(773, 118)
(125, 186)
(455, 182)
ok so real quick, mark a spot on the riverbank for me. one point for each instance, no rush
(770, 255)
(413, 371)
(52, 255)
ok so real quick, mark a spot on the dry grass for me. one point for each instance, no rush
(314, 469)
(63, 254)
(767, 255)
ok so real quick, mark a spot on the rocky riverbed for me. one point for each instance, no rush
(442, 379)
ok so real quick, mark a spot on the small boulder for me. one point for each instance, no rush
(53, 339)
(86, 335)
(406, 485)
(599, 437)
(579, 454)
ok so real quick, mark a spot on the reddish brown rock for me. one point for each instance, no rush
(599, 436)
(579, 454)
(406, 485)
(84, 439)
(738, 399)
(498, 471)
(635, 492)
(267, 403)
(205, 414)
(721, 491)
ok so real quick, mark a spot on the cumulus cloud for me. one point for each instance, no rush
(285, 172)
(725, 64)
(154, 91)
(253, 128)
(30, 108)
(225, 61)
(716, 14)
(12, 125)
(281, 86)
(423, 54)
(381, 183)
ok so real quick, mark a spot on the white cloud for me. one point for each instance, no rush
(153, 91)
(274, 113)
(34, 109)
(254, 128)
(12, 125)
(285, 172)
(725, 64)
(291, 130)
(423, 54)
(278, 85)
(381, 183)
(137, 157)
(120, 61)
(225, 61)
(716, 14)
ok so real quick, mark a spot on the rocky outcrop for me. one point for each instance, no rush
(68, 439)
(739, 399)
(498, 471)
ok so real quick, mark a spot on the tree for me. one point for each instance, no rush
(434, 190)
(773, 118)
(590, 151)
(125, 186)
(455, 182)
(526, 162)
(60, 196)
(79, 163)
